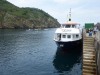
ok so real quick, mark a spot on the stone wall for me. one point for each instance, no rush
(97, 48)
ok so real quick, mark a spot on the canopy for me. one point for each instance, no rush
(70, 23)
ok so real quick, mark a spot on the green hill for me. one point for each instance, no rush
(12, 16)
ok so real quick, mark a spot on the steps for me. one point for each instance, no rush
(89, 63)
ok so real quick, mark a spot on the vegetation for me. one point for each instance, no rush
(12, 16)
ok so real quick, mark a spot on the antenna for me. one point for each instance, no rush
(70, 15)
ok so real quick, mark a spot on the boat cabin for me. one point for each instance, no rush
(68, 32)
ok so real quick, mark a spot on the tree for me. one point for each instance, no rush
(2, 15)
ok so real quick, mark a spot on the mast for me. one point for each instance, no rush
(70, 15)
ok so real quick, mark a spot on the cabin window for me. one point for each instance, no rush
(62, 26)
(73, 26)
(73, 36)
(68, 36)
(67, 26)
(77, 35)
(64, 36)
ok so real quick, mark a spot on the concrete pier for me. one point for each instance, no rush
(89, 55)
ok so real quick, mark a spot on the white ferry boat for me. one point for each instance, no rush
(68, 35)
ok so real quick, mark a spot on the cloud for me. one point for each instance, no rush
(68, 1)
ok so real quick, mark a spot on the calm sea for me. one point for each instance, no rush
(33, 52)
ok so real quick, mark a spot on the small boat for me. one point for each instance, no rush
(45, 29)
(69, 35)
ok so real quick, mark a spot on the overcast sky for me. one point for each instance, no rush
(82, 10)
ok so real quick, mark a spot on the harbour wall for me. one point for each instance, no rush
(97, 48)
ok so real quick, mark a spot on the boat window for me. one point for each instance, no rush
(73, 26)
(73, 36)
(64, 36)
(67, 26)
(62, 26)
(68, 36)
(77, 35)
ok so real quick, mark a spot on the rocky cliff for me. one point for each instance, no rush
(12, 16)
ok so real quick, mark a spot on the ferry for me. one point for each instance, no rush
(69, 35)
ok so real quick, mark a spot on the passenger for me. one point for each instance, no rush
(90, 33)
(95, 30)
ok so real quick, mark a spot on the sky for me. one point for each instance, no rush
(83, 11)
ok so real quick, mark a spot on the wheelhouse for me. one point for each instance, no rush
(70, 25)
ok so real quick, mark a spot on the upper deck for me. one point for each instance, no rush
(70, 24)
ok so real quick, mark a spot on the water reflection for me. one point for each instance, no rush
(65, 61)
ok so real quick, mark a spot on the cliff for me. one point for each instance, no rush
(12, 16)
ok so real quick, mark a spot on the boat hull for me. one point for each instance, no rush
(71, 44)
